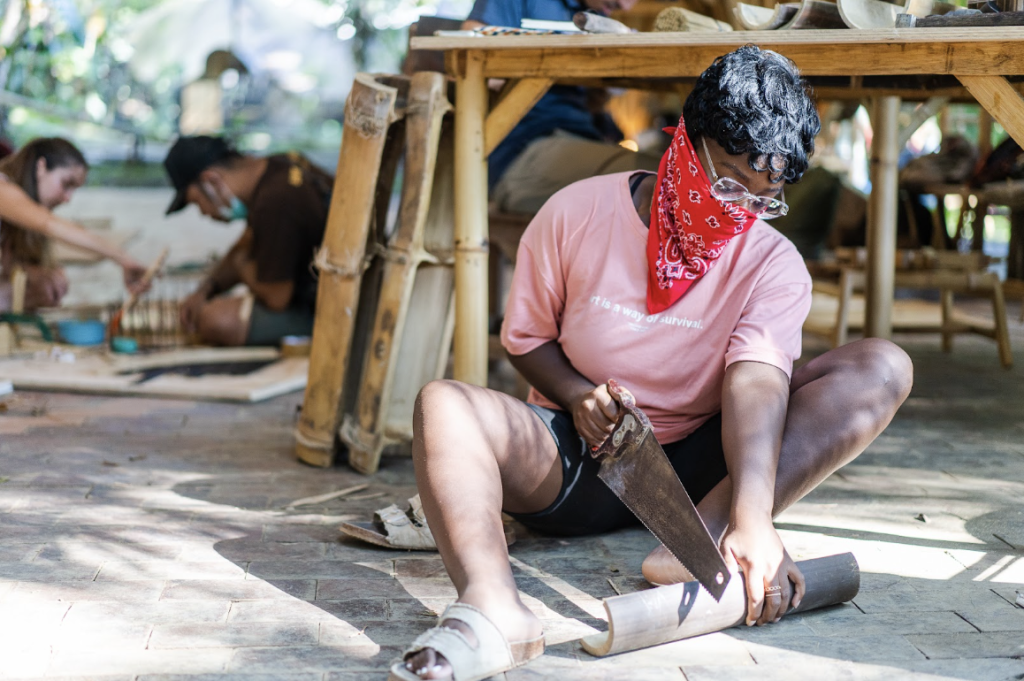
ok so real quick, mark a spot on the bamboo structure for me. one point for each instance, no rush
(881, 241)
(414, 316)
(471, 249)
(369, 114)
(678, 611)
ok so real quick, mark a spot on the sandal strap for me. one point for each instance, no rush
(402, 530)
(416, 510)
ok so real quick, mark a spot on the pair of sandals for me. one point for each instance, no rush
(395, 528)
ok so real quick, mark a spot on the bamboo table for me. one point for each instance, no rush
(979, 58)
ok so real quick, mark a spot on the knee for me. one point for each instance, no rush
(217, 328)
(438, 404)
(889, 367)
(437, 397)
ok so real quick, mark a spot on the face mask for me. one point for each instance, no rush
(236, 211)
(690, 227)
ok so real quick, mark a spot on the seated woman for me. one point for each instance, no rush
(676, 287)
(39, 177)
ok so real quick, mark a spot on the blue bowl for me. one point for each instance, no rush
(78, 332)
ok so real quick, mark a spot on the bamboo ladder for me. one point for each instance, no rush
(365, 369)
(370, 115)
(415, 314)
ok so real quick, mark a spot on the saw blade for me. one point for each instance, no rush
(636, 469)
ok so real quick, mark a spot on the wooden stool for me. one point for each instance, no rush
(922, 269)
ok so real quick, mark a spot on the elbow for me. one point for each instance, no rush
(276, 303)
(276, 298)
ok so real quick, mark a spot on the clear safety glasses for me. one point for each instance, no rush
(727, 189)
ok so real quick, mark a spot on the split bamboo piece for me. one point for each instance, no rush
(369, 113)
(414, 320)
(677, 19)
(672, 613)
(881, 14)
(757, 18)
(19, 281)
(790, 16)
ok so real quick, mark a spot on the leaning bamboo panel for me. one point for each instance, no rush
(412, 332)
(369, 113)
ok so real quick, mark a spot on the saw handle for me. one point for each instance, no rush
(630, 426)
(621, 394)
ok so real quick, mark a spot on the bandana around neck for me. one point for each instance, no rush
(690, 228)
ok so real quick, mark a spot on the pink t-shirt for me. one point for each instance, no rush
(581, 279)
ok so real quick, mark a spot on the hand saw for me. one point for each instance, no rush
(636, 469)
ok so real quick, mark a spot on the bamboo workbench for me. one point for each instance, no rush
(979, 59)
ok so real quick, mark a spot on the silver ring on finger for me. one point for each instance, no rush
(773, 590)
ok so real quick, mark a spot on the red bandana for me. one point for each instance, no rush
(690, 228)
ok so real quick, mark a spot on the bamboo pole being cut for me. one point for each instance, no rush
(881, 246)
(471, 248)
(672, 613)
(369, 112)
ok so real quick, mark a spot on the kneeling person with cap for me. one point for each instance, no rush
(284, 200)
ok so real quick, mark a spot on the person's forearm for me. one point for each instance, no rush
(276, 295)
(755, 400)
(227, 272)
(549, 371)
(76, 235)
(223, 276)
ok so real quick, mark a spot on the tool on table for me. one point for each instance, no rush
(961, 18)
(597, 23)
(147, 277)
(636, 469)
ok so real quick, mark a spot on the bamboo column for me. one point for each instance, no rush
(471, 247)
(369, 111)
(881, 246)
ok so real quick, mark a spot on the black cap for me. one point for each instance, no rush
(188, 158)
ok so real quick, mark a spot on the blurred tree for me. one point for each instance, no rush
(62, 57)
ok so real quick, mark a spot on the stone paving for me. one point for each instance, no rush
(149, 540)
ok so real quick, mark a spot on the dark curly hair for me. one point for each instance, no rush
(753, 101)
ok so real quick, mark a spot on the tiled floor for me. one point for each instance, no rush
(148, 539)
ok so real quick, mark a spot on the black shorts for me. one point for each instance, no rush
(585, 505)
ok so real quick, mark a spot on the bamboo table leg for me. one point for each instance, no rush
(471, 223)
(881, 246)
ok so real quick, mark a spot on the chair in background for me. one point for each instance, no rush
(838, 309)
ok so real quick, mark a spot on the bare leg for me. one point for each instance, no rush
(839, 403)
(477, 451)
(222, 321)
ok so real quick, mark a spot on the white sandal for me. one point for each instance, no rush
(492, 654)
(394, 528)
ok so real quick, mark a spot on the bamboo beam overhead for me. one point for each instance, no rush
(916, 63)
(962, 51)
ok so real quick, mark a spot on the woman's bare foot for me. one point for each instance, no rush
(515, 621)
(661, 567)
